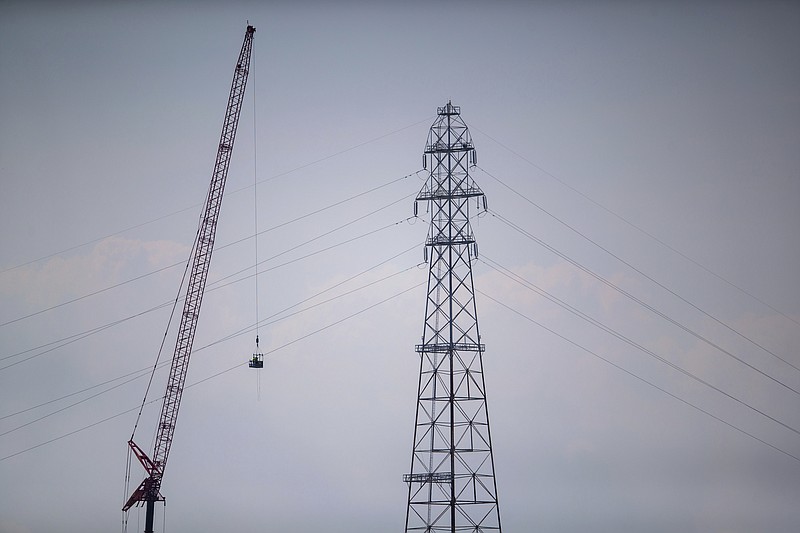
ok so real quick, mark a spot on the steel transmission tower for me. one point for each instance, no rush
(451, 486)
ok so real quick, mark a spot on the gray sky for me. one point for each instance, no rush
(678, 126)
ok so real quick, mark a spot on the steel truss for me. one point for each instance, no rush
(451, 486)
(149, 491)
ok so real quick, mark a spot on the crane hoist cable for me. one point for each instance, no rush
(257, 360)
(149, 491)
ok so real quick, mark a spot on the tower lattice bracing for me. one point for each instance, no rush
(451, 486)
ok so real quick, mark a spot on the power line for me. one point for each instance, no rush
(640, 229)
(217, 374)
(268, 321)
(320, 210)
(265, 322)
(83, 400)
(303, 337)
(93, 424)
(643, 380)
(580, 314)
(89, 295)
(252, 327)
(212, 286)
(77, 337)
(641, 302)
(173, 265)
(140, 373)
(235, 191)
(325, 234)
(640, 272)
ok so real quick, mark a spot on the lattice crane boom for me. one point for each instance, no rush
(148, 491)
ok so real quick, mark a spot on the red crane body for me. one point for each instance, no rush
(148, 491)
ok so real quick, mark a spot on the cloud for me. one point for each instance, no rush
(111, 261)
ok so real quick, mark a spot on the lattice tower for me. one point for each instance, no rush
(451, 486)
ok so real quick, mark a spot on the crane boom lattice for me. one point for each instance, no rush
(148, 491)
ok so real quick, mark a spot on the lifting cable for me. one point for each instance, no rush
(256, 354)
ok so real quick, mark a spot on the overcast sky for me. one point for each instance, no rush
(656, 145)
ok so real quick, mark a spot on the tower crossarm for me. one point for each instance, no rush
(442, 147)
(446, 347)
(428, 477)
(442, 194)
(442, 240)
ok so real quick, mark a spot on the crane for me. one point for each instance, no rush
(149, 491)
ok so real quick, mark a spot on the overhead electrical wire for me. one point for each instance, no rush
(267, 321)
(217, 374)
(231, 192)
(89, 295)
(243, 331)
(270, 320)
(591, 352)
(70, 433)
(640, 302)
(333, 230)
(211, 287)
(396, 295)
(733, 426)
(167, 267)
(64, 341)
(76, 403)
(303, 337)
(500, 303)
(138, 373)
(640, 272)
(643, 380)
(320, 210)
(639, 228)
(611, 331)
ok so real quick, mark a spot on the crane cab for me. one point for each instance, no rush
(257, 361)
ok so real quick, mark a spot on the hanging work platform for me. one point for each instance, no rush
(257, 361)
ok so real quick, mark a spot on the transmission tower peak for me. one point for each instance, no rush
(449, 109)
(451, 485)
